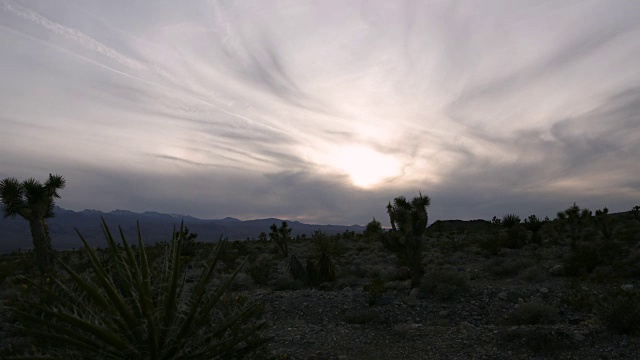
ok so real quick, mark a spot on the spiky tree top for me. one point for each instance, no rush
(30, 199)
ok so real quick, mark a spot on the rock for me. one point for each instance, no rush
(325, 286)
(502, 296)
(414, 293)
(465, 327)
(536, 299)
(543, 290)
(404, 285)
(557, 270)
(410, 301)
(627, 287)
(443, 313)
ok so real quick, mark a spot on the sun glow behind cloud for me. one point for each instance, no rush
(365, 167)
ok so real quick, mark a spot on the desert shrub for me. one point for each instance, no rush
(538, 339)
(149, 314)
(360, 317)
(491, 245)
(630, 233)
(374, 290)
(586, 257)
(510, 267)
(286, 283)
(534, 313)
(228, 257)
(619, 310)
(577, 297)
(515, 238)
(16, 265)
(534, 273)
(453, 242)
(260, 271)
(444, 285)
(582, 260)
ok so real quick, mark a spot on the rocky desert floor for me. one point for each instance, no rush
(477, 299)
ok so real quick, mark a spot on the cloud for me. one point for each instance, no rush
(250, 109)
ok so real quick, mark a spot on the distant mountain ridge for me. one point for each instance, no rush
(154, 226)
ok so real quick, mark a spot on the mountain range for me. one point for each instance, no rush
(154, 226)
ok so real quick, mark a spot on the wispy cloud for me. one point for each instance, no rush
(255, 109)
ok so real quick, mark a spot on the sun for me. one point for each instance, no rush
(365, 167)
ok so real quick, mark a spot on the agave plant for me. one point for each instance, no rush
(134, 309)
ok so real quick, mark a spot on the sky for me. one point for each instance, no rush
(324, 111)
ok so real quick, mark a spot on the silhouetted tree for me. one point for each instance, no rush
(409, 222)
(510, 220)
(575, 219)
(34, 201)
(281, 237)
(374, 228)
(189, 239)
(534, 224)
(604, 223)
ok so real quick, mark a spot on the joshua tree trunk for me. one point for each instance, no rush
(42, 244)
(33, 201)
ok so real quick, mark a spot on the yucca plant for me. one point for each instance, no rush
(134, 309)
(297, 270)
(322, 268)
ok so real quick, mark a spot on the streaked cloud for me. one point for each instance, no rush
(324, 111)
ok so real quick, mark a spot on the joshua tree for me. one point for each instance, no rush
(510, 220)
(409, 222)
(604, 223)
(534, 224)
(374, 228)
(34, 202)
(390, 211)
(188, 247)
(576, 220)
(635, 212)
(281, 237)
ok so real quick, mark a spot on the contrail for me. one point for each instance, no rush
(84, 40)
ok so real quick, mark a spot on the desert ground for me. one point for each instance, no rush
(489, 290)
